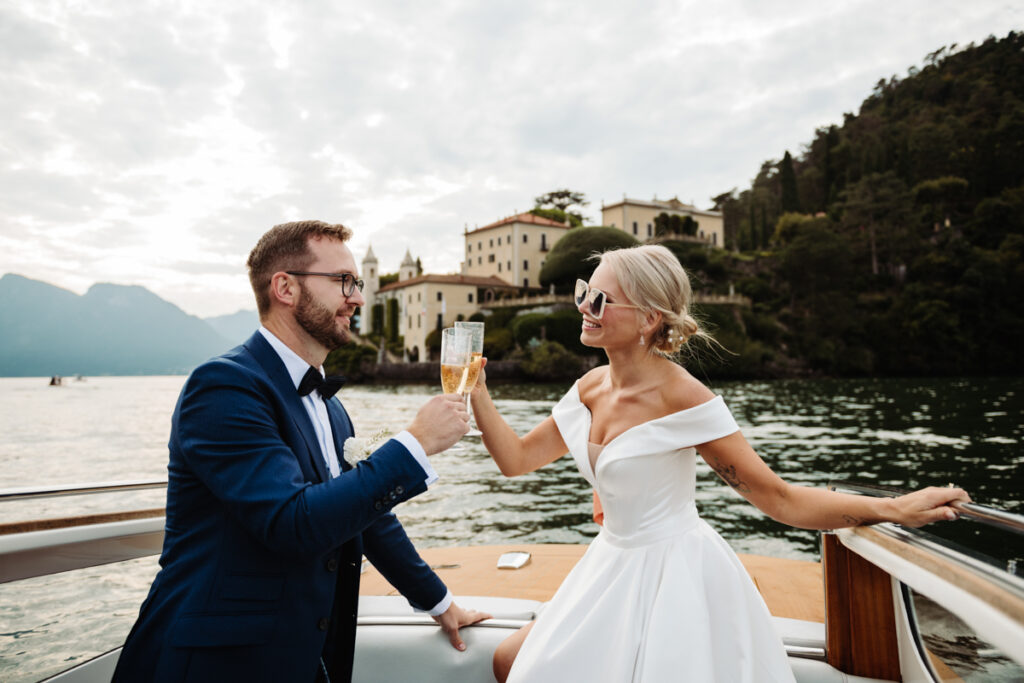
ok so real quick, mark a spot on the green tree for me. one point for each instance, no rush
(569, 259)
(391, 329)
(549, 361)
(562, 200)
(879, 205)
(575, 220)
(787, 177)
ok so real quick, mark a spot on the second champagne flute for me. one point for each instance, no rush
(475, 361)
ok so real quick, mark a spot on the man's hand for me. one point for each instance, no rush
(440, 423)
(455, 618)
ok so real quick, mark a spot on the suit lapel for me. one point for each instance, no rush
(341, 429)
(276, 372)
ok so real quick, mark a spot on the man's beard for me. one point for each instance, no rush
(318, 321)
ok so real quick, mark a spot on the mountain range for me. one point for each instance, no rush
(110, 330)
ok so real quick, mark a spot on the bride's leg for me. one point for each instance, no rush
(506, 653)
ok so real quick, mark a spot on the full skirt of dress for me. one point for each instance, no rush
(683, 609)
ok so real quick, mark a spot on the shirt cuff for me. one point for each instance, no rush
(442, 607)
(416, 450)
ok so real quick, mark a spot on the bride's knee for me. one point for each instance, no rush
(504, 655)
(506, 652)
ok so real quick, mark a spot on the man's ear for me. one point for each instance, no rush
(284, 289)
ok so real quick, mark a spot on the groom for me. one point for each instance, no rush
(266, 523)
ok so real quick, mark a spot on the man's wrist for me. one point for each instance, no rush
(418, 453)
(442, 607)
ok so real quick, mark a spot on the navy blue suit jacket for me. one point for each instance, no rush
(262, 550)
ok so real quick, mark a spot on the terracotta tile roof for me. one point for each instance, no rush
(473, 280)
(522, 218)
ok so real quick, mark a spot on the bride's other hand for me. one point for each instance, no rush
(481, 379)
(927, 505)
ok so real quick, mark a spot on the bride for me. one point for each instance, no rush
(659, 595)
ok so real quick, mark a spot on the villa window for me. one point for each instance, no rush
(490, 258)
(526, 282)
(439, 296)
(499, 266)
(469, 297)
(635, 232)
(526, 265)
(509, 266)
(650, 230)
(469, 248)
(492, 241)
(524, 239)
(479, 260)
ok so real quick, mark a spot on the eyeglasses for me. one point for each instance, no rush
(595, 299)
(349, 282)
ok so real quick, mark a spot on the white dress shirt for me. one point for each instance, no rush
(317, 411)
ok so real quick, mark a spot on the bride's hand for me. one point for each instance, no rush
(481, 379)
(927, 505)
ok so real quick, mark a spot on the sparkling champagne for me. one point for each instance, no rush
(451, 377)
(476, 360)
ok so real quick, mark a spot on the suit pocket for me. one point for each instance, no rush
(222, 630)
(252, 587)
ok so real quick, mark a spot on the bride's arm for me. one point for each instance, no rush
(733, 459)
(514, 455)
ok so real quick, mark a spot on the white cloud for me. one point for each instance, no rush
(153, 142)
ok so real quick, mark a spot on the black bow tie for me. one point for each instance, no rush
(327, 386)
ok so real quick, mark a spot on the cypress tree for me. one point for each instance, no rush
(790, 197)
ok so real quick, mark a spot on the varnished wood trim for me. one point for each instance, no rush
(991, 594)
(82, 520)
(860, 621)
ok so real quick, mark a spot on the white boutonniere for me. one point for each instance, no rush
(356, 449)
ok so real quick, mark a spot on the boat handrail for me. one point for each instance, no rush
(982, 514)
(30, 492)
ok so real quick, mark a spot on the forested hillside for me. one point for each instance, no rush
(892, 244)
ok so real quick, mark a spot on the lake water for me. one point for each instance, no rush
(904, 433)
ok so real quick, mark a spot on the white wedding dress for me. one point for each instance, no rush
(659, 595)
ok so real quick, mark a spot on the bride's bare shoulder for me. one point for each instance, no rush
(592, 380)
(681, 390)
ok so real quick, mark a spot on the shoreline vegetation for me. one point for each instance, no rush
(889, 246)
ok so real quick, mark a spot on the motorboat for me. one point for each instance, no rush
(885, 603)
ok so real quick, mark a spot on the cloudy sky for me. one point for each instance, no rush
(150, 142)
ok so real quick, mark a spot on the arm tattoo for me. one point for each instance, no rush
(729, 475)
(853, 521)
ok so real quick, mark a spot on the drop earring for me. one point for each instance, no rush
(641, 339)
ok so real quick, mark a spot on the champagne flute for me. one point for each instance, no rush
(456, 348)
(475, 361)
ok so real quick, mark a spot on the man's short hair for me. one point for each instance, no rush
(286, 247)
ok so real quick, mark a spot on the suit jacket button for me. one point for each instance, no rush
(378, 505)
(323, 624)
(399, 490)
(392, 496)
(332, 564)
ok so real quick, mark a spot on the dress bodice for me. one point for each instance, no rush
(645, 476)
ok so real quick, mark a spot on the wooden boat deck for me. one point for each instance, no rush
(790, 588)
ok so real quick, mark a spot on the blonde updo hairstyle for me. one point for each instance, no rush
(653, 280)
